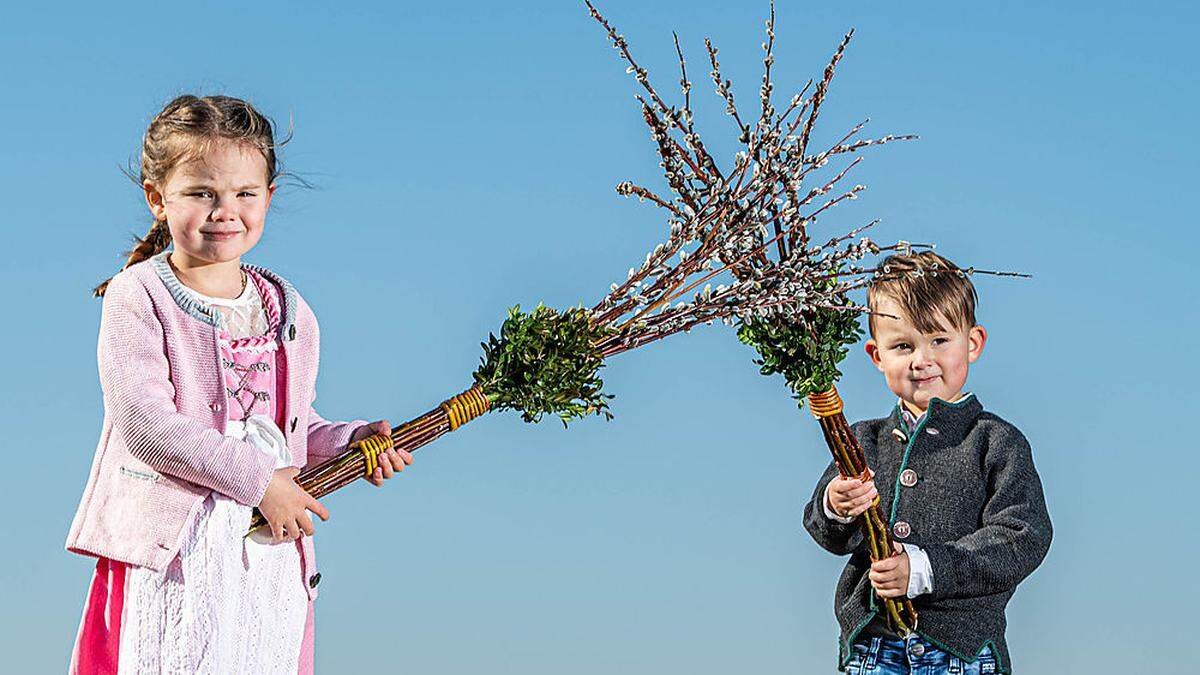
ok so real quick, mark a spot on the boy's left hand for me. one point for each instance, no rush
(889, 577)
(392, 460)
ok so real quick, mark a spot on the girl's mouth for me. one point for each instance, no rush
(219, 236)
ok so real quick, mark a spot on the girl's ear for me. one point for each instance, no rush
(976, 339)
(155, 200)
(872, 349)
(270, 193)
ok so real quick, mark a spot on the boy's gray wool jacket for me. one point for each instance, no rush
(976, 508)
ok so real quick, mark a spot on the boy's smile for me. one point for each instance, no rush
(920, 366)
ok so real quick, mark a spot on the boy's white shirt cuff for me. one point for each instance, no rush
(920, 572)
(829, 512)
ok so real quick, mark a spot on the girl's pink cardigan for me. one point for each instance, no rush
(162, 447)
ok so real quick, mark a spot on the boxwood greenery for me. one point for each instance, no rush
(545, 362)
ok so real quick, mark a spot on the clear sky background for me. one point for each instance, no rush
(464, 156)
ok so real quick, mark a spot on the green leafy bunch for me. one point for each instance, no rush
(807, 352)
(545, 362)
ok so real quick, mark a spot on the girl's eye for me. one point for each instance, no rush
(245, 194)
(202, 195)
(940, 341)
(902, 346)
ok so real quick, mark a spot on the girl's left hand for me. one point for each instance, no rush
(390, 461)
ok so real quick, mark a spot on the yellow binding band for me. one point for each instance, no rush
(825, 404)
(465, 407)
(370, 449)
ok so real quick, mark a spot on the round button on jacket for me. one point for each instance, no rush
(314, 580)
(908, 478)
(917, 649)
(901, 529)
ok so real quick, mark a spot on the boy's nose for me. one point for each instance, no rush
(921, 359)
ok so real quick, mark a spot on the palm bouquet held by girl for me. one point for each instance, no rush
(722, 225)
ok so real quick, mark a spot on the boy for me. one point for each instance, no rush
(957, 487)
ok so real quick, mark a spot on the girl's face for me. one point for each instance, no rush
(215, 206)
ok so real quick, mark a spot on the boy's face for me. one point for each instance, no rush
(921, 366)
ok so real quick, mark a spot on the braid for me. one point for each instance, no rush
(155, 241)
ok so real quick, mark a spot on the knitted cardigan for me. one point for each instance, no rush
(977, 509)
(162, 447)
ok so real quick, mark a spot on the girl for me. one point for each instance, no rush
(208, 369)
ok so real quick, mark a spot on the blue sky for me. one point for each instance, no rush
(464, 156)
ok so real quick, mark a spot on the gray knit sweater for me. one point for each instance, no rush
(976, 508)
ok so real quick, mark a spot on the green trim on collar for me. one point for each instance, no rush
(912, 440)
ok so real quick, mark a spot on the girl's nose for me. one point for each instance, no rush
(222, 210)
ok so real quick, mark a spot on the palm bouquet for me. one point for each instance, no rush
(736, 249)
(769, 203)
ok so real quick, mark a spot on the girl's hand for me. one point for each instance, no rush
(390, 461)
(849, 497)
(285, 505)
(889, 577)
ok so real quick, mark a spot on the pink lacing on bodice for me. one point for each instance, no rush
(248, 362)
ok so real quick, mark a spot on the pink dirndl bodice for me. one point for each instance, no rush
(226, 603)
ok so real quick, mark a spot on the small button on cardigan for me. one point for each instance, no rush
(162, 446)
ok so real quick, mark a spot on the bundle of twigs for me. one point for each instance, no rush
(765, 202)
(722, 226)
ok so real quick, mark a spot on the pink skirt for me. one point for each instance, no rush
(97, 644)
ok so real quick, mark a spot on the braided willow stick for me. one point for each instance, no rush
(847, 453)
(361, 457)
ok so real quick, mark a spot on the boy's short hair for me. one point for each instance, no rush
(929, 288)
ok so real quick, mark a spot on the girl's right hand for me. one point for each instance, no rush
(849, 497)
(285, 505)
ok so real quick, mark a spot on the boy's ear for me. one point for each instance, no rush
(154, 199)
(872, 349)
(976, 339)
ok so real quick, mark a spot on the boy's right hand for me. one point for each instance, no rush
(848, 497)
(285, 505)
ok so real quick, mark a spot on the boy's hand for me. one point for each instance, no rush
(285, 505)
(889, 577)
(849, 497)
(391, 460)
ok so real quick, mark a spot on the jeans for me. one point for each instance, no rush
(913, 656)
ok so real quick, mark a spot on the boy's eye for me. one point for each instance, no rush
(201, 194)
(940, 341)
(902, 345)
(245, 194)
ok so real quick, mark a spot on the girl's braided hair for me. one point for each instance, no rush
(185, 129)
